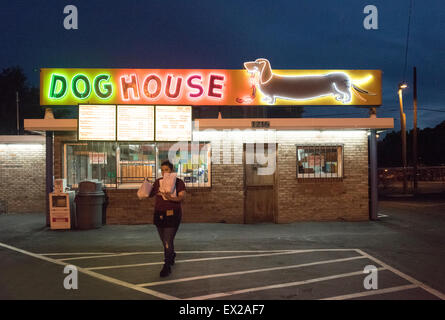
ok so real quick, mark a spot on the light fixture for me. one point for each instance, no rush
(403, 85)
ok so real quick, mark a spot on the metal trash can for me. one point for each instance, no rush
(89, 204)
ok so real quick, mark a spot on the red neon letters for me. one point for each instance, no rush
(172, 87)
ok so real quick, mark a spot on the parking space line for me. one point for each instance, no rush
(277, 286)
(101, 256)
(93, 274)
(150, 284)
(372, 292)
(405, 276)
(73, 253)
(116, 254)
(190, 260)
(274, 252)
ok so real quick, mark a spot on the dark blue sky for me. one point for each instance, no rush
(318, 34)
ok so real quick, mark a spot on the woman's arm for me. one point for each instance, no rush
(179, 198)
(155, 189)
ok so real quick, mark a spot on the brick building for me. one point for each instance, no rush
(234, 192)
(244, 170)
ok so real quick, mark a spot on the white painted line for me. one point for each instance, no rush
(277, 286)
(191, 260)
(73, 253)
(221, 251)
(405, 276)
(93, 274)
(101, 256)
(150, 284)
(162, 252)
(215, 252)
(372, 292)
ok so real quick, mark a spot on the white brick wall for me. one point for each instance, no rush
(22, 177)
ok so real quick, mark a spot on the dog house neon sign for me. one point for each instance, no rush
(256, 84)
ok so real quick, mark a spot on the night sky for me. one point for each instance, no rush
(303, 34)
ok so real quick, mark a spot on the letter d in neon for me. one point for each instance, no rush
(58, 86)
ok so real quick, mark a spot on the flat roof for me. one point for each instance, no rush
(22, 139)
(244, 123)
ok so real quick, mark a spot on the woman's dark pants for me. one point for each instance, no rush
(167, 236)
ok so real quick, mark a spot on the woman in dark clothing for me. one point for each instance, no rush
(167, 216)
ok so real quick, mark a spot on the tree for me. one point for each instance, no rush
(12, 81)
(430, 148)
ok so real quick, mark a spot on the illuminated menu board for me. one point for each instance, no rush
(173, 123)
(135, 123)
(97, 122)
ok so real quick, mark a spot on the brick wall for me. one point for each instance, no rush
(22, 178)
(324, 201)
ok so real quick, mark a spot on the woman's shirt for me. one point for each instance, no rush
(160, 203)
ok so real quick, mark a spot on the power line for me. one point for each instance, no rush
(407, 39)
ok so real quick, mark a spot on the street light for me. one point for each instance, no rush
(402, 86)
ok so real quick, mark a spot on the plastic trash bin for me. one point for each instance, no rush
(89, 204)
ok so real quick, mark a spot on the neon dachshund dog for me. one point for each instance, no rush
(275, 86)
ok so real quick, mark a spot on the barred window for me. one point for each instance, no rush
(320, 162)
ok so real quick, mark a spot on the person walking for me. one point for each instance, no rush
(170, 192)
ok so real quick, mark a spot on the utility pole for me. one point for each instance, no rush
(403, 135)
(415, 131)
(18, 117)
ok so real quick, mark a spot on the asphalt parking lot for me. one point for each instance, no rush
(298, 261)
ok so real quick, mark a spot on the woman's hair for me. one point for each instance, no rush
(168, 164)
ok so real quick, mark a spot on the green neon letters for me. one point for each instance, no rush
(86, 86)
(107, 86)
(57, 80)
(80, 86)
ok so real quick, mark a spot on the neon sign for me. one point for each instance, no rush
(179, 87)
(81, 86)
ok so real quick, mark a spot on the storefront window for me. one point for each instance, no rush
(193, 165)
(87, 161)
(320, 162)
(126, 165)
(136, 161)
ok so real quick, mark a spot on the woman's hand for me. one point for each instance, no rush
(168, 196)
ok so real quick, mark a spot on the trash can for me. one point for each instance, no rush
(89, 204)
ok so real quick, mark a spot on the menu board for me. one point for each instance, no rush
(97, 122)
(173, 123)
(135, 123)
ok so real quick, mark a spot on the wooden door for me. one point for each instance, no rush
(259, 190)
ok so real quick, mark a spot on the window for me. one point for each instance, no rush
(125, 165)
(136, 161)
(87, 161)
(194, 166)
(320, 162)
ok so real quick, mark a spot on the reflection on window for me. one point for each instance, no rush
(136, 162)
(192, 165)
(319, 162)
(87, 161)
(126, 165)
